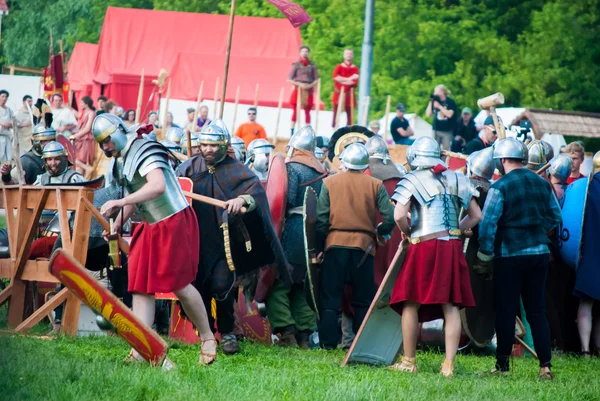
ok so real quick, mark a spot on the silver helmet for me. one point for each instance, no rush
(108, 125)
(549, 150)
(509, 148)
(172, 146)
(238, 143)
(320, 155)
(356, 157)
(303, 139)
(536, 155)
(42, 134)
(151, 136)
(239, 156)
(560, 167)
(401, 169)
(481, 163)
(378, 148)
(55, 150)
(175, 134)
(425, 153)
(214, 134)
(221, 124)
(259, 151)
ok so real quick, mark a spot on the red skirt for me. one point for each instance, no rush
(164, 256)
(434, 273)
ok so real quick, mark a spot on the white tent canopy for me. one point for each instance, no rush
(19, 86)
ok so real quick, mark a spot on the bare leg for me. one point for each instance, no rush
(143, 308)
(584, 323)
(452, 330)
(193, 306)
(410, 328)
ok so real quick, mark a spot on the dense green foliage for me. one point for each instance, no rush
(539, 53)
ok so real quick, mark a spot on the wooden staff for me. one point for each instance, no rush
(298, 106)
(138, 109)
(351, 116)
(227, 57)
(386, 121)
(366, 111)
(62, 60)
(317, 106)
(279, 105)
(255, 97)
(198, 101)
(235, 106)
(208, 200)
(454, 155)
(103, 222)
(165, 118)
(341, 101)
(16, 156)
(216, 100)
(543, 169)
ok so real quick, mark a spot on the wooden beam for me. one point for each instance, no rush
(63, 220)
(5, 294)
(42, 312)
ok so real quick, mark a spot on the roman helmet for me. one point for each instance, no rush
(320, 155)
(560, 167)
(174, 134)
(509, 148)
(108, 125)
(172, 146)
(238, 143)
(303, 139)
(55, 150)
(42, 134)
(401, 169)
(356, 157)
(221, 124)
(213, 134)
(549, 150)
(378, 149)
(424, 153)
(481, 163)
(259, 151)
(536, 155)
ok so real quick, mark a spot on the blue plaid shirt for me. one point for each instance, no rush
(492, 211)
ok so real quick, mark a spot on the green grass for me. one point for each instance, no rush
(92, 368)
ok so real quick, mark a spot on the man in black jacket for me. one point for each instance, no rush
(486, 137)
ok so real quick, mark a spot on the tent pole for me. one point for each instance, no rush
(227, 56)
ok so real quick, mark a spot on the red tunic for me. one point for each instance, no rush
(164, 256)
(346, 71)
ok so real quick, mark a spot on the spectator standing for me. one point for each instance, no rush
(251, 130)
(129, 119)
(64, 121)
(6, 139)
(24, 125)
(101, 102)
(465, 130)
(83, 140)
(443, 109)
(576, 152)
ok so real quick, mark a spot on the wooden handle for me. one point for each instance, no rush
(454, 155)
(105, 224)
(208, 200)
(543, 169)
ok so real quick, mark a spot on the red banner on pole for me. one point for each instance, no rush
(294, 12)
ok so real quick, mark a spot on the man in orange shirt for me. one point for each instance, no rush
(251, 130)
(345, 75)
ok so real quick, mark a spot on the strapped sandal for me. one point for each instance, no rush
(406, 364)
(211, 357)
(447, 369)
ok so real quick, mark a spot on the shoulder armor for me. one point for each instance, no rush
(73, 176)
(420, 184)
(459, 185)
(140, 152)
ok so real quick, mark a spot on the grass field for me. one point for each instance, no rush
(92, 369)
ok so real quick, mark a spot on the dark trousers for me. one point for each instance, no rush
(341, 267)
(521, 277)
(216, 282)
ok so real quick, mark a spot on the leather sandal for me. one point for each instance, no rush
(210, 357)
(447, 369)
(406, 364)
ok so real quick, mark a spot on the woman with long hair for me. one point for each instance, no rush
(83, 140)
(129, 118)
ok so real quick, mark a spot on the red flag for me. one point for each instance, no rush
(294, 12)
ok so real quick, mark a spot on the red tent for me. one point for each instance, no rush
(133, 39)
(81, 69)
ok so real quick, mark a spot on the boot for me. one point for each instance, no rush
(287, 339)
(230, 344)
(303, 339)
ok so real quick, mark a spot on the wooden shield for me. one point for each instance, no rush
(187, 186)
(479, 321)
(277, 190)
(311, 284)
(379, 338)
(250, 322)
(69, 148)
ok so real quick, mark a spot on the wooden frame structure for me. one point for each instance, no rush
(22, 225)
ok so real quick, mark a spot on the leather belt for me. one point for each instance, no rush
(439, 234)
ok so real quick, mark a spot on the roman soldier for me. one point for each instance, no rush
(434, 278)
(289, 313)
(259, 155)
(347, 230)
(238, 144)
(57, 167)
(345, 76)
(537, 155)
(253, 241)
(163, 253)
(32, 162)
(304, 76)
(175, 134)
(195, 145)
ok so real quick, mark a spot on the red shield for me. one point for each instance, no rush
(69, 148)
(187, 185)
(277, 190)
(253, 326)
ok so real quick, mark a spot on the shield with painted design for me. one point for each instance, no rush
(277, 191)
(68, 147)
(187, 186)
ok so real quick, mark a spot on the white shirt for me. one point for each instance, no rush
(62, 117)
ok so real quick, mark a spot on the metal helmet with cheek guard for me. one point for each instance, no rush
(55, 150)
(560, 167)
(378, 149)
(40, 134)
(108, 125)
(356, 157)
(509, 148)
(320, 155)
(175, 134)
(214, 135)
(304, 139)
(259, 151)
(172, 146)
(238, 143)
(549, 150)
(424, 153)
(536, 155)
(481, 163)
(221, 124)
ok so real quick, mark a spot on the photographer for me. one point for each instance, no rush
(443, 110)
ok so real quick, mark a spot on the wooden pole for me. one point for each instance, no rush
(227, 57)
(255, 97)
(298, 106)
(317, 105)
(351, 116)
(216, 100)
(279, 105)
(235, 106)
(138, 109)
(543, 169)
(198, 101)
(386, 120)
(208, 200)
(365, 115)
(164, 126)
(62, 60)
(454, 155)
(341, 101)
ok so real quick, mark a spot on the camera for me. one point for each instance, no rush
(435, 98)
(522, 130)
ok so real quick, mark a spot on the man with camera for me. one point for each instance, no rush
(443, 110)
